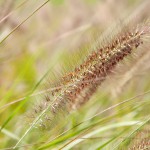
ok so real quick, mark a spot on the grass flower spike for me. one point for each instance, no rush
(77, 87)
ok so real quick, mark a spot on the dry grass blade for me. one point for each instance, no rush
(23, 21)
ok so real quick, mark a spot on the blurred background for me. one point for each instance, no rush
(35, 40)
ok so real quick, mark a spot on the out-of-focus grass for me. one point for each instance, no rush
(44, 44)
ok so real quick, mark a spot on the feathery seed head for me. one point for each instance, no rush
(77, 87)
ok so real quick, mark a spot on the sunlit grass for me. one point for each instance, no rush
(42, 40)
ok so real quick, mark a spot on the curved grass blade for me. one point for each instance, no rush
(24, 21)
(60, 138)
(122, 142)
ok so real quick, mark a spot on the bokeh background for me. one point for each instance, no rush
(35, 41)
